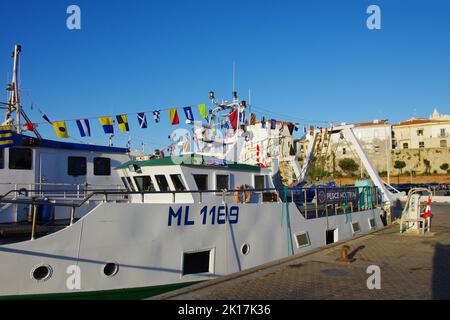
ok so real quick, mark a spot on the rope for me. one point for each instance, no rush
(348, 216)
(290, 250)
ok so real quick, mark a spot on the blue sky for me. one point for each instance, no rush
(307, 61)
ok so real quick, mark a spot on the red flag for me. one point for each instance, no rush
(233, 119)
(173, 114)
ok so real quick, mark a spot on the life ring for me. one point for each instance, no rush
(245, 190)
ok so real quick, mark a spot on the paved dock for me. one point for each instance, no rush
(411, 267)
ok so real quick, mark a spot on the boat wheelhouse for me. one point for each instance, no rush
(183, 179)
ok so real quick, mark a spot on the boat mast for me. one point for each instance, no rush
(13, 104)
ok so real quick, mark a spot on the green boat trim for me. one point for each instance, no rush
(191, 161)
(117, 294)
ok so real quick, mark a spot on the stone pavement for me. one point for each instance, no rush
(412, 267)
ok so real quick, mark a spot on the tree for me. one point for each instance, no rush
(348, 165)
(399, 165)
(427, 164)
(444, 166)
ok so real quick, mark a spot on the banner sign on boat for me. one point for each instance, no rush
(336, 195)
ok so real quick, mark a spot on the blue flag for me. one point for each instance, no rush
(188, 113)
(263, 122)
(83, 126)
(273, 124)
(142, 119)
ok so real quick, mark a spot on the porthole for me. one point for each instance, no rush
(110, 269)
(41, 273)
(245, 249)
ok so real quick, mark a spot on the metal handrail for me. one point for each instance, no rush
(35, 201)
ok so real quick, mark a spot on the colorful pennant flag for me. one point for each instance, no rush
(273, 124)
(173, 115)
(304, 129)
(46, 119)
(311, 130)
(188, 113)
(290, 128)
(252, 119)
(60, 129)
(142, 119)
(234, 119)
(6, 137)
(107, 124)
(122, 122)
(84, 127)
(202, 110)
(157, 116)
(263, 122)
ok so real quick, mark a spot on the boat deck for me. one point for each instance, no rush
(17, 232)
(412, 267)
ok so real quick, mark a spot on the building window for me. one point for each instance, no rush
(344, 151)
(2, 158)
(76, 166)
(421, 144)
(162, 182)
(443, 132)
(20, 158)
(222, 182)
(259, 182)
(201, 180)
(102, 166)
(442, 143)
(144, 183)
(405, 145)
(177, 182)
(420, 132)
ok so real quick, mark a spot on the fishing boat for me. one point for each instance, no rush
(34, 167)
(221, 204)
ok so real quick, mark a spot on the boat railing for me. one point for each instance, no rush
(66, 191)
(309, 201)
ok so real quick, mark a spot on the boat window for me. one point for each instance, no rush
(356, 227)
(131, 184)
(178, 182)
(102, 166)
(144, 183)
(20, 158)
(201, 180)
(162, 182)
(125, 183)
(2, 158)
(196, 262)
(222, 182)
(76, 166)
(259, 182)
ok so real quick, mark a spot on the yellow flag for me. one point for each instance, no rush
(202, 110)
(60, 129)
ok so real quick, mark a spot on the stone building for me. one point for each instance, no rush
(412, 141)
